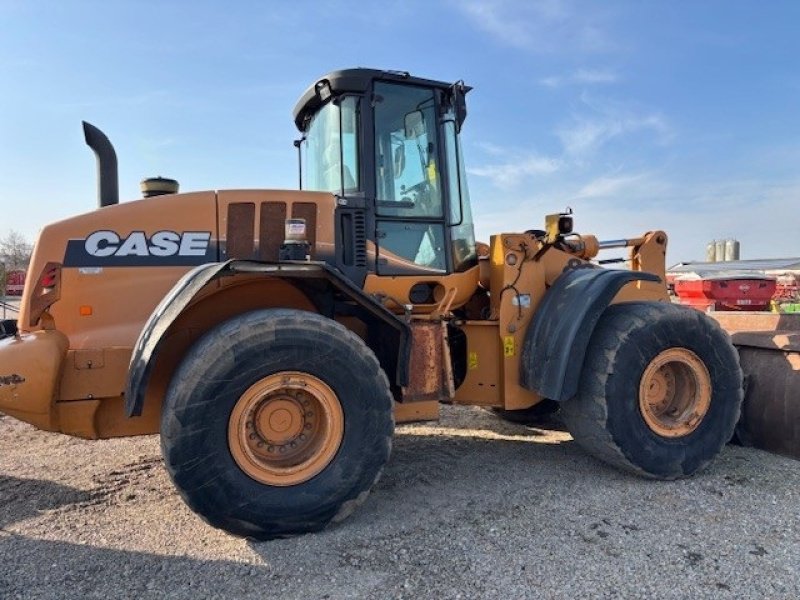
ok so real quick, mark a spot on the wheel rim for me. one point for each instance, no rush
(675, 393)
(286, 428)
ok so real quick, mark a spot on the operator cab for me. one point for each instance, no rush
(387, 144)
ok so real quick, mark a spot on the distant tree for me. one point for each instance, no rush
(15, 251)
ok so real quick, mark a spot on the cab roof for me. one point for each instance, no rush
(355, 81)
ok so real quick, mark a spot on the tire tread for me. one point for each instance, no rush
(197, 477)
(586, 414)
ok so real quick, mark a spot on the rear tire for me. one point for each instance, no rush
(660, 391)
(277, 422)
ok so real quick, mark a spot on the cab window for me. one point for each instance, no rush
(406, 171)
(330, 149)
(462, 231)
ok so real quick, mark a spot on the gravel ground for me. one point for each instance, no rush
(471, 507)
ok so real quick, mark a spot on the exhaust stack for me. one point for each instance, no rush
(107, 181)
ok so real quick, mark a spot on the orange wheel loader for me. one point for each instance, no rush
(274, 337)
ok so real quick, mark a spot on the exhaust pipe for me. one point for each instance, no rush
(107, 181)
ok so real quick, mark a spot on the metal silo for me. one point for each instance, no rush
(711, 251)
(731, 249)
(720, 250)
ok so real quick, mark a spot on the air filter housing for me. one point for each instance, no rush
(158, 186)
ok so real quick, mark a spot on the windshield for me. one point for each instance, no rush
(329, 151)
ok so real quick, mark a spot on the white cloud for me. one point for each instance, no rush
(581, 77)
(492, 149)
(159, 143)
(582, 135)
(594, 76)
(538, 25)
(509, 174)
(586, 134)
(609, 186)
(491, 18)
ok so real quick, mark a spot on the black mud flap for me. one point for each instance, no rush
(187, 288)
(556, 341)
(8, 328)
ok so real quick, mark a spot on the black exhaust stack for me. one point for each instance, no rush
(107, 181)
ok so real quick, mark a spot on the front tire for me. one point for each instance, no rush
(660, 390)
(277, 422)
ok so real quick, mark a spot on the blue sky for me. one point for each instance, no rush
(683, 116)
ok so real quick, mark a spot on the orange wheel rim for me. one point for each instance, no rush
(286, 428)
(675, 393)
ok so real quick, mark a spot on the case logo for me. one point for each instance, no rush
(106, 248)
(161, 243)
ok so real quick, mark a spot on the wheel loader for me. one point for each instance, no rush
(273, 338)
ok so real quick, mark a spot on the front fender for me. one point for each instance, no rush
(184, 292)
(556, 341)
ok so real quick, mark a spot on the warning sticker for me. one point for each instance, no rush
(508, 346)
(473, 360)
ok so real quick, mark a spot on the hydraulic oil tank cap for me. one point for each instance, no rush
(158, 186)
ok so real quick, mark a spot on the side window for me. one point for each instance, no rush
(462, 230)
(349, 129)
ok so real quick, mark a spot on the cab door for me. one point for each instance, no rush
(409, 201)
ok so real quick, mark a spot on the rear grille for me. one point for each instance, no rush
(240, 241)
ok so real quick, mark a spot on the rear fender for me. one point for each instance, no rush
(318, 283)
(556, 341)
(30, 369)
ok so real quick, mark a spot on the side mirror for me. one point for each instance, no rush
(414, 123)
(459, 91)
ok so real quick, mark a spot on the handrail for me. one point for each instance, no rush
(6, 306)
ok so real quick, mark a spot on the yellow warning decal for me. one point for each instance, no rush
(508, 345)
(432, 172)
(473, 360)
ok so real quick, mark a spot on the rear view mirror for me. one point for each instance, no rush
(414, 124)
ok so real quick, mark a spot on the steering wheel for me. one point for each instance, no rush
(420, 193)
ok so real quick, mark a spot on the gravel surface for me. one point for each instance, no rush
(471, 507)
